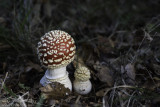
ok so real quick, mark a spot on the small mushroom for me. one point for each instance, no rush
(82, 84)
(56, 50)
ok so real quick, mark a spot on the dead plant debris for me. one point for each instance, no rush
(117, 40)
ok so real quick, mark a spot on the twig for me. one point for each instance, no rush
(20, 100)
(78, 99)
(113, 96)
(137, 52)
(130, 98)
(120, 100)
(105, 102)
(121, 86)
(4, 81)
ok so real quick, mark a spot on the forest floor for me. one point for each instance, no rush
(118, 40)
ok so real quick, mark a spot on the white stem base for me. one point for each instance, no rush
(82, 87)
(56, 75)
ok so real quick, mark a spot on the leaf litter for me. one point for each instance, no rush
(123, 55)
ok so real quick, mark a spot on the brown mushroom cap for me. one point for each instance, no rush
(56, 49)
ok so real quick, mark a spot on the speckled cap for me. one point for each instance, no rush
(82, 73)
(56, 49)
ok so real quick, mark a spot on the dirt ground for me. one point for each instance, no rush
(118, 40)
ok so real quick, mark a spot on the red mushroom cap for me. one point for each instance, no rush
(56, 49)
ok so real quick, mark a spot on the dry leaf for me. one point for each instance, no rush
(130, 71)
(149, 84)
(156, 69)
(31, 65)
(4, 65)
(105, 44)
(104, 74)
(4, 47)
(101, 92)
(4, 102)
(55, 90)
(148, 36)
(2, 20)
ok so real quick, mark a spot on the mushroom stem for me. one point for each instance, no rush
(56, 75)
(82, 87)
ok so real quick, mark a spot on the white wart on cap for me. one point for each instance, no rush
(56, 49)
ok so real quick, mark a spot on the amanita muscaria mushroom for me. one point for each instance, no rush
(56, 50)
(82, 84)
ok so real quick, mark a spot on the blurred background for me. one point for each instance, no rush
(119, 40)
